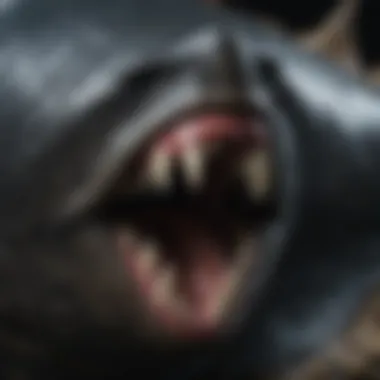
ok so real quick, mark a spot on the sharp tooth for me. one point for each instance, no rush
(149, 258)
(193, 166)
(164, 286)
(159, 170)
(256, 173)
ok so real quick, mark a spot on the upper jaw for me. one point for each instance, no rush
(124, 142)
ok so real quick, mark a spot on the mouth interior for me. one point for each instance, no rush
(188, 212)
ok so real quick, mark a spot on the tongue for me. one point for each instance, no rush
(206, 282)
(205, 129)
(205, 273)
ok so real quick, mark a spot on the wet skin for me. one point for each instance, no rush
(89, 87)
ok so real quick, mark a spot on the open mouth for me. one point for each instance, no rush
(188, 213)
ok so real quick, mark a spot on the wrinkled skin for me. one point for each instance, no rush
(79, 85)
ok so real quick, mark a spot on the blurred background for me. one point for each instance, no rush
(344, 30)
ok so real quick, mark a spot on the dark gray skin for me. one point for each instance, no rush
(67, 307)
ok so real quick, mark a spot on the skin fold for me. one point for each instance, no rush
(82, 83)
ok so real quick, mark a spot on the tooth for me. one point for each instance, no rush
(164, 286)
(149, 258)
(193, 165)
(256, 173)
(159, 170)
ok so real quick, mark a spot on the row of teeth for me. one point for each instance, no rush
(164, 290)
(254, 170)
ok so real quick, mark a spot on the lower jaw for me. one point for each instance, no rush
(203, 312)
